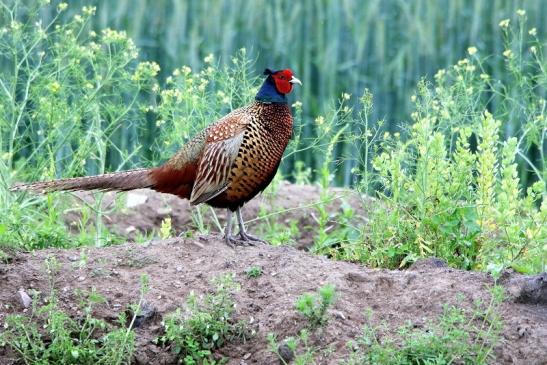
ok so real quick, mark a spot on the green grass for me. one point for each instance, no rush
(48, 335)
(457, 336)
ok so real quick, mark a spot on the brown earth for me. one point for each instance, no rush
(178, 266)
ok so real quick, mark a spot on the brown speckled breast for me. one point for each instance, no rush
(259, 155)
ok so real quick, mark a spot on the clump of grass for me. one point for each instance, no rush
(253, 272)
(314, 306)
(457, 336)
(204, 324)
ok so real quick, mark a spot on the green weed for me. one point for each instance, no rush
(204, 324)
(295, 350)
(457, 336)
(450, 186)
(48, 335)
(314, 306)
(254, 272)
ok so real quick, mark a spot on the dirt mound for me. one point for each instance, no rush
(179, 266)
(142, 211)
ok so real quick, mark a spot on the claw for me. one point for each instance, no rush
(228, 240)
(250, 239)
(243, 237)
(240, 241)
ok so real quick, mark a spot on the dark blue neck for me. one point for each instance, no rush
(269, 94)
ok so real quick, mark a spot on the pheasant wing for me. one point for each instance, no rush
(221, 148)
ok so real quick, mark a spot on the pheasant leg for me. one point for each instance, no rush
(229, 238)
(244, 236)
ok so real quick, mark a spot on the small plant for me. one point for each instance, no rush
(254, 272)
(204, 324)
(287, 351)
(314, 306)
(166, 229)
(51, 336)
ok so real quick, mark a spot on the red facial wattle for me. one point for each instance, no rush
(282, 81)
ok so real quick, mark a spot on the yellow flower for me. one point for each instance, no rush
(484, 76)
(440, 73)
(472, 50)
(89, 10)
(209, 58)
(346, 96)
(533, 32)
(297, 105)
(533, 49)
(521, 12)
(413, 98)
(54, 87)
(320, 120)
(504, 23)
(62, 7)
(508, 53)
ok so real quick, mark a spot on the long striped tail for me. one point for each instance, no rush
(124, 180)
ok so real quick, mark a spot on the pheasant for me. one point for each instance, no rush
(225, 165)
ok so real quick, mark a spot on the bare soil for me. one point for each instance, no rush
(181, 265)
(142, 211)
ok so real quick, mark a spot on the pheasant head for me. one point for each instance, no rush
(276, 86)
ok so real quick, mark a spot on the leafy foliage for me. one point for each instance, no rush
(204, 324)
(450, 187)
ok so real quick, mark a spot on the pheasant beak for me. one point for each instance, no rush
(294, 80)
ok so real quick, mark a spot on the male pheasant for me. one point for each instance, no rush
(225, 165)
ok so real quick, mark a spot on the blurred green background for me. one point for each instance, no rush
(332, 46)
